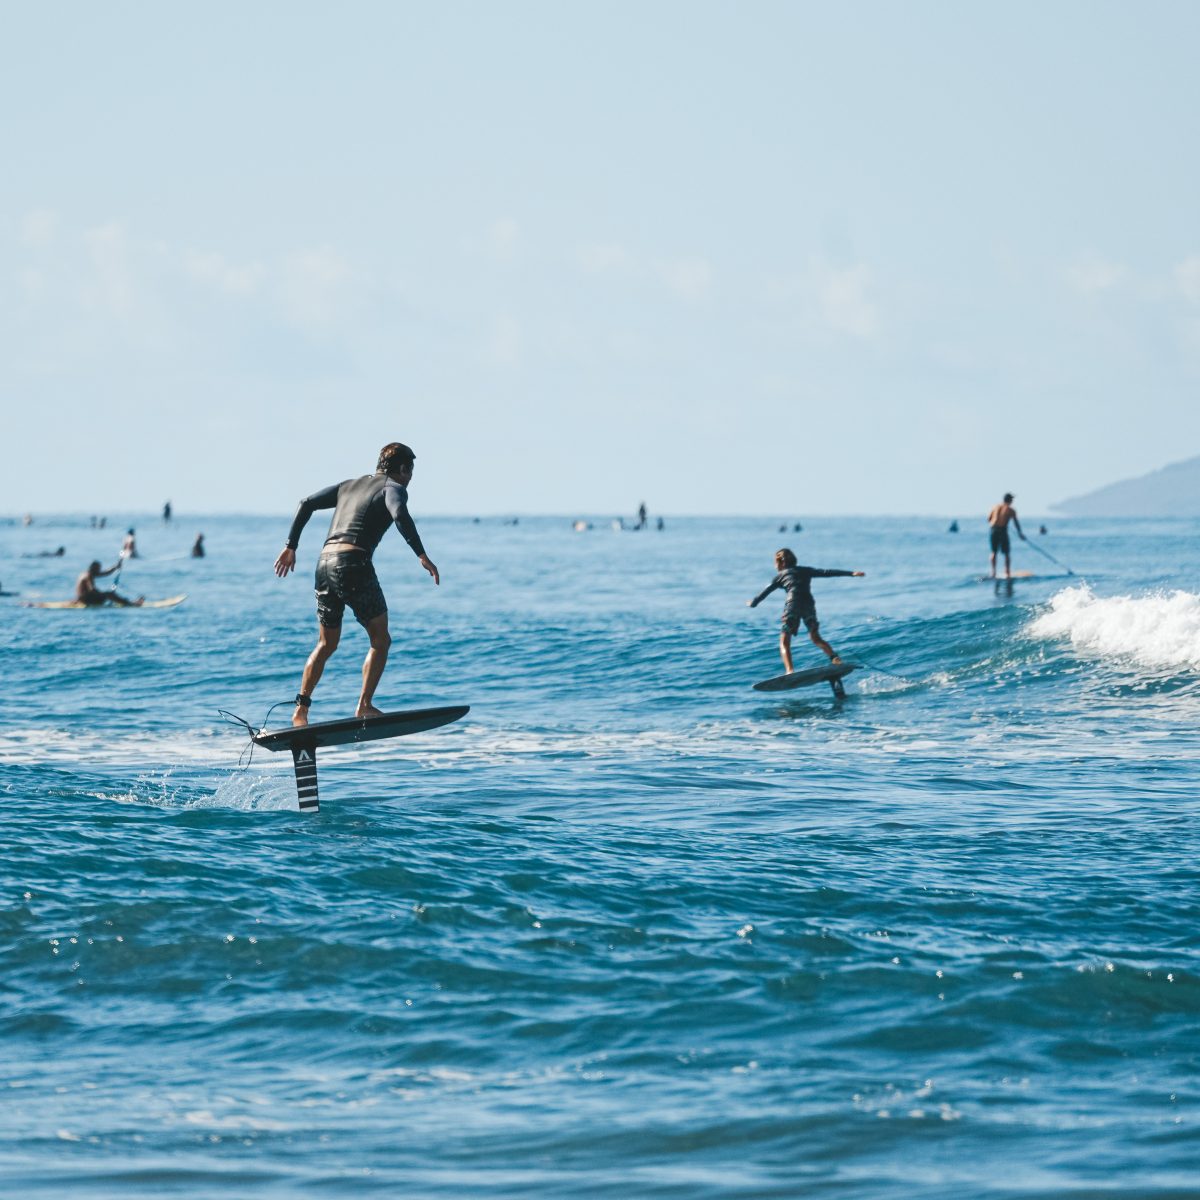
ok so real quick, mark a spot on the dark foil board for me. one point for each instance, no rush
(798, 679)
(361, 729)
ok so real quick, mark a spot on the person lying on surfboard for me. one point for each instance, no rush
(364, 510)
(86, 591)
(800, 606)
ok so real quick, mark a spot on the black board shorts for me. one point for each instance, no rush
(1000, 539)
(348, 579)
(793, 616)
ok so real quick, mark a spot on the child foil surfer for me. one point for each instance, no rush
(800, 606)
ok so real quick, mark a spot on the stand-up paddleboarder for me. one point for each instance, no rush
(364, 509)
(998, 519)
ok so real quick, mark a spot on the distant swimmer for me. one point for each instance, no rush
(364, 510)
(1043, 530)
(129, 545)
(167, 513)
(953, 527)
(800, 606)
(998, 519)
(47, 553)
(86, 591)
(660, 524)
(198, 546)
(641, 516)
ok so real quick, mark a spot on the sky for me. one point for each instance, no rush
(777, 258)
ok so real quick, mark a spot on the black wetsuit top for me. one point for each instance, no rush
(797, 582)
(364, 510)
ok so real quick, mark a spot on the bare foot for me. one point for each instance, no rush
(367, 710)
(836, 659)
(300, 716)
(139, 602)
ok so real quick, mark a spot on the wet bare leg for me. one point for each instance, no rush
(992, 560)
(785, 651)
(373, 664)
(327, 643)
(121, 602)
(1007, 566)
(822, 644)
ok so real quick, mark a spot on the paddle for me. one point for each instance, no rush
(1050, 556)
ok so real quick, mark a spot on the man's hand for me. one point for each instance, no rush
(285, 562)
(858, 574)
(424, 561)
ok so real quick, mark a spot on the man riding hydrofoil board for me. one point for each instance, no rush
(364, 509)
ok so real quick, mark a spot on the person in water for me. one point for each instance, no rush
(198, 546)
(86, 591)
(364, 509)
(800, 606)
(998, 519)
(129, 546)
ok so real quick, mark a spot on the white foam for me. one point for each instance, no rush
(1159, 630)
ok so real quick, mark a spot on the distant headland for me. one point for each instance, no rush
(1171, 491)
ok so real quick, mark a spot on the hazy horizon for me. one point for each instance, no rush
(792, 257)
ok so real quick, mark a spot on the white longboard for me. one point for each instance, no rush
(169, 602)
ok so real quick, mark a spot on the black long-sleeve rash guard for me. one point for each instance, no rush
(364, 510)
(797, 582)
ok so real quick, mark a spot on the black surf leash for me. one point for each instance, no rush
(1050, 556)
(233, 719)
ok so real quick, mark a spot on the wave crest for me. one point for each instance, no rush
(1160, 630)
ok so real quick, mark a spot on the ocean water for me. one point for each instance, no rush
(630, 928)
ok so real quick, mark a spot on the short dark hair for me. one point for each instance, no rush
(1008, 497)
(93, 567)
(395, 454)
(789, 559)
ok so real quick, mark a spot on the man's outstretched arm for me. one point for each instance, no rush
(325, 498)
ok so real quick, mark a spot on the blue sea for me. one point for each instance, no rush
(630, 928)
